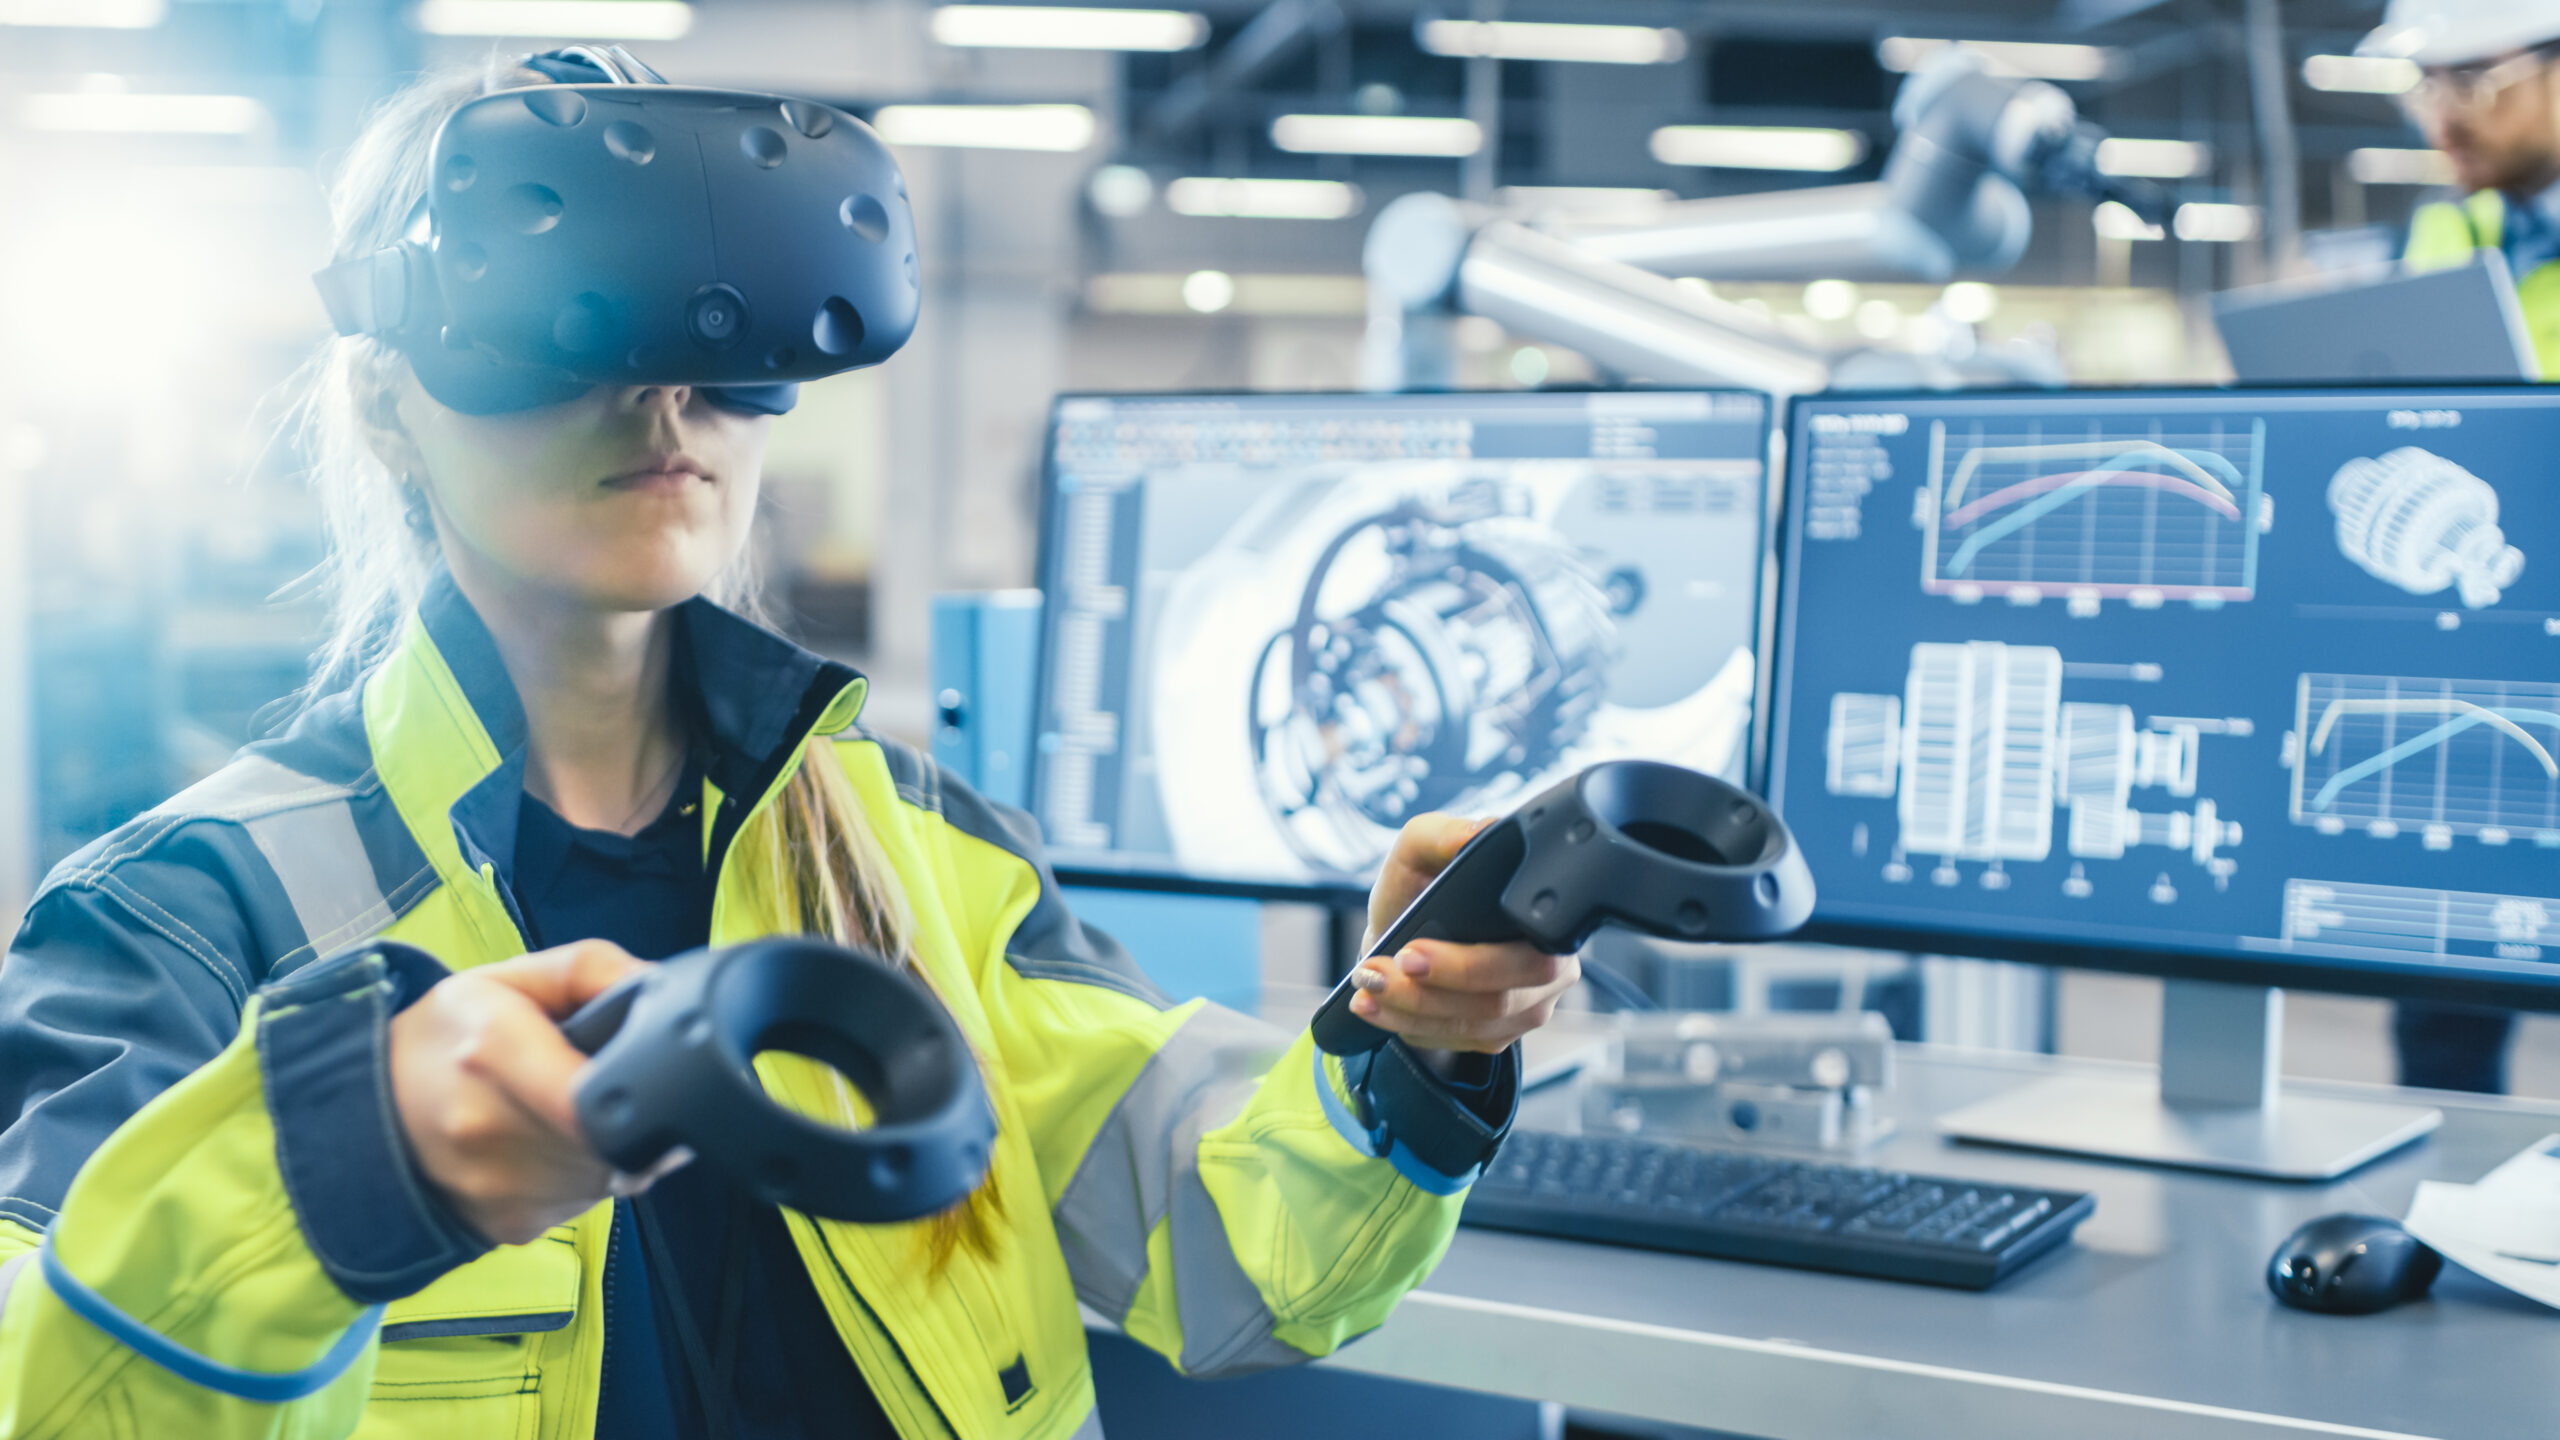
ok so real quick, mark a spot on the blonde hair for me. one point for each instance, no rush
(833, 876)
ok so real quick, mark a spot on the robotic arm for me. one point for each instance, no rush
(1971, 146)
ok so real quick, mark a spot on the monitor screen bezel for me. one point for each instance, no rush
(2384, 979)
(1080, 868)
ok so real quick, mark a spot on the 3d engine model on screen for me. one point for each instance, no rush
(1441, 650)
(2423, 523)
(627, 232)
(1980, 749)
(675, 1065)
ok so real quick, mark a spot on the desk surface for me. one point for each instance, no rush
(2154, 1323)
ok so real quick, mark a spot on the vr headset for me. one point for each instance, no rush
(617, 230)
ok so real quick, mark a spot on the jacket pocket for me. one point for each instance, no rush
(459, 1358)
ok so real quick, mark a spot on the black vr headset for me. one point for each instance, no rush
(617, 230)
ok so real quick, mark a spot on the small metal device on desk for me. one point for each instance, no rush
(1805, 1081)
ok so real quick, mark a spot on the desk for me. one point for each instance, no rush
(2154, 1323)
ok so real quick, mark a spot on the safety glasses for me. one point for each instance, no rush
(2470, 89)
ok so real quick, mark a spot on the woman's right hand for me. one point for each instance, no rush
(485, 1084)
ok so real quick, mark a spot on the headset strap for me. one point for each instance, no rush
(376, 294)
(591, 64)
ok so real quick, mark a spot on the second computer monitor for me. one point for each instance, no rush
(1281, 625)
(2252, 684)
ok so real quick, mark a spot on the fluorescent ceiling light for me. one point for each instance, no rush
(88, 14)
(2222, 223)
(1376, 135)
(1521, 40)
(1060, 128)
(584, 19)
(2153, 159)
(1262, 199)
(117, 112)
(1264, 294)
(2399, 167)
(2115, 220)
(2018, 59)
(1759, 147)
(1060, 27)
(2359, 74)
(1585, 202)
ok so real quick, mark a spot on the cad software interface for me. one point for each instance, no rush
(2272, 673)
(1280, 625)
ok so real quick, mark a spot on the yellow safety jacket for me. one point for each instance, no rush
(2446, 234)
(197, 1231)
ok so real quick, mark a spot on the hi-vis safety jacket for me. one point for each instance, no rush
(202, 1179)
(2446, 233)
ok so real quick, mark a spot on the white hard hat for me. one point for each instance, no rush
(2461, 32)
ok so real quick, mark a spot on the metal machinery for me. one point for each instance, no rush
(1971, 147)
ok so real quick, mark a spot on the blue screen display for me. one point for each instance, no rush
(2271, 675)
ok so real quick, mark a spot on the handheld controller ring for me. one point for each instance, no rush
(674, 1054)
(1655, 847)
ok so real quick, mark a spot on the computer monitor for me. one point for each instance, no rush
(1280, 625)
(2250, 687)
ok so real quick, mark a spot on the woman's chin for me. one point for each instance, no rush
(642, 577)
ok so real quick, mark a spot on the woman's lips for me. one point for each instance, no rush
(661, 475)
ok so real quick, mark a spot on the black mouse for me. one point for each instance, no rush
(2351, 1265)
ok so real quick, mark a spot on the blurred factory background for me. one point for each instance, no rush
(1160, 200)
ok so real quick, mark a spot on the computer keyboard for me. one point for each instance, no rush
(1740, 1205)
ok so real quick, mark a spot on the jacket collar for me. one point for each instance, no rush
(753, 696)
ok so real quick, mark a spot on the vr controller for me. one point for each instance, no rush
(674, 1054)
(1654, 847)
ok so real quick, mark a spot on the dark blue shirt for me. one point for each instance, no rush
(750, 1301)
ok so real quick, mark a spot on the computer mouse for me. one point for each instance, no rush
(2351, 1265)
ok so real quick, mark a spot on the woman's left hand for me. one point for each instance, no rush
(1438, 994)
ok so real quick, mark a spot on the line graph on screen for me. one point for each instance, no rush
(2141, 514)
(2389, 754)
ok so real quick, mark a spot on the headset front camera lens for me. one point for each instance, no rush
(716, 316)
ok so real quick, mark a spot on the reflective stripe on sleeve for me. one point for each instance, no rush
(1143, 1168)
(265, 1387)
(9, 1273)
(320, 860)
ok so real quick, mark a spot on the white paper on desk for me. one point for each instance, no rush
(2506, 1228)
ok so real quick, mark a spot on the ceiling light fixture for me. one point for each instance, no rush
(1061, 129)
(85, 14)
(2221, 224)
(1062, 27)
(1428, 135)
(557, 19)
(2115, 220)
(116, 112)
(1759, 147)
(2153, 159)
(2022, 60)
(1524, 40)
(2378, 166)
(2359, 74)
(1210, 195)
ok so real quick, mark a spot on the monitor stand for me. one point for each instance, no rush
(2215, 1106)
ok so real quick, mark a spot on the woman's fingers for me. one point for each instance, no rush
(561, 979)
(1423, 848)
(486, 1088)
(1463, 997)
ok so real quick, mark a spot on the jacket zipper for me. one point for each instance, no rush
(612, 1264)
(722, 835)
(881, 1327)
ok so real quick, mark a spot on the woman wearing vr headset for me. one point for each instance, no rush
(290, 1142)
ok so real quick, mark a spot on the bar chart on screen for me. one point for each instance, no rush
(2143, 514)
